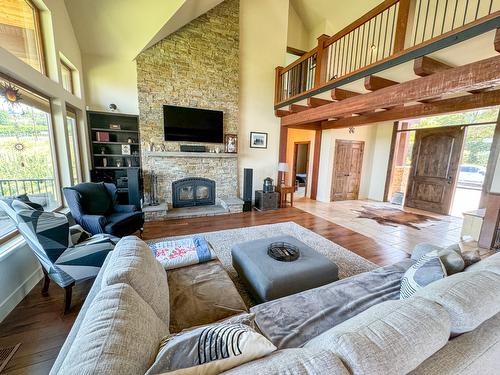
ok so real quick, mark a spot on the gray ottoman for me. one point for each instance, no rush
(268, 279)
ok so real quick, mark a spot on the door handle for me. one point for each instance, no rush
(449, 180)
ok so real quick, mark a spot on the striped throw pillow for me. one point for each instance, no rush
(426, 270)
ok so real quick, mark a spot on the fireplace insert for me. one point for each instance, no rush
(190, 192)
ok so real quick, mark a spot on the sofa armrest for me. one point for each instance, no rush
(125, 208)
(93, 223)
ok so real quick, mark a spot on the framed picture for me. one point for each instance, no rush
(258, 140)
(125, 149)
(231, 143)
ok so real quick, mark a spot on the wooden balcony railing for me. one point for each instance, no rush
(388, 29)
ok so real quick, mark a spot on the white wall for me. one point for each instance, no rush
(110, 79)
(298, 35)
(377, 138)
(19, 270)
(263, 32)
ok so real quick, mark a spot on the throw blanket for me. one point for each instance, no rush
(291, 321)
(182, 252)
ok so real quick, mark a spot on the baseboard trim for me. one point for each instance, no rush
(19, 293)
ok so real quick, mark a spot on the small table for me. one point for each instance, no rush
(267, 278)
(284, 191)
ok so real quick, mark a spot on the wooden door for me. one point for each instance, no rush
(347, 170)
(433, 176)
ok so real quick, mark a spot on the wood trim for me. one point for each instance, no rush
(360, 21)
(321, 61)
(299, 60)
(278, 71)
(281, 113)
(315, 161)
(390, 164)
(374, 83)
(492, 163)
(296, 108)
(425, 66)
(295, 51)
(437, 43)
(497, 40)
(490, 220)
(283, 144)
(471, 76)
(459, 104)
(401, 25)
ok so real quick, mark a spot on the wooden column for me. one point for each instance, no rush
(315, 168)
(401, 25)
(321, 61)
(282, 150)
(490, 221)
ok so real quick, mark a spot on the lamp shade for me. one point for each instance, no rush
(283, 167)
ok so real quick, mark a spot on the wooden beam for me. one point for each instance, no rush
(341, 94)
(425, 66)
(477, 91)
(281, 113)
(315, 166)
(458, 104)
(430, 100)
(316, 102)
(401, 25)
(374, 83)
(472, 76)
(283, 144)
(295, 51)
(295, 108)
(497, 40)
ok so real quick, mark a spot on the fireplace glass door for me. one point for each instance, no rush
(193, 192)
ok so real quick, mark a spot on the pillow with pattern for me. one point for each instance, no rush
(211, 349)
(182, 252)
(426, 270)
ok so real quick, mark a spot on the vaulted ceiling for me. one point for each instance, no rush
(125, 28)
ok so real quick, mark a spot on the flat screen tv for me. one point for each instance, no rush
(192, 124)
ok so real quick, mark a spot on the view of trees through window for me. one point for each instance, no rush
(26, 164)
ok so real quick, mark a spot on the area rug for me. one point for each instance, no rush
(222, 241)
(394, 217)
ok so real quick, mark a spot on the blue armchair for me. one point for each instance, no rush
(94, 206)
(67, 254)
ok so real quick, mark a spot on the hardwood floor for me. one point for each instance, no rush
(39, 324)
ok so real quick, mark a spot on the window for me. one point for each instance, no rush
(74, 154)
(26, 157)
(20, 32)
(67, 77)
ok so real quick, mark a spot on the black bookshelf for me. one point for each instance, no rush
(116, 153)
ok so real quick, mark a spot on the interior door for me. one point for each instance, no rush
(434, 169)
(347, 170)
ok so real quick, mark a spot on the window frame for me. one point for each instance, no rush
(76, 144)
(57, 182)
(71, 71)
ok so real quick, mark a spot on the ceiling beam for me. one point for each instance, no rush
(313, 102)
(281, 113)
(374, 83)
(458, 104)
(472, 76)
(425, 66)
(341, 94)
(430, 100)
(296, 108)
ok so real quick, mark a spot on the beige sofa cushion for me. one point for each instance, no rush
(120, 334)
(133, 263)
(470, 298)
(393, 337)
(472, 353)
(491, 263)
(293, 361)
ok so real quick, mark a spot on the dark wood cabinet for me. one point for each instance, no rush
(266, 201)
(116, 153)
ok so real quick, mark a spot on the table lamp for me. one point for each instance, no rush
(282, 168)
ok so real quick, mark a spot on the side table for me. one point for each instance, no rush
(284, 191)
(266, 201)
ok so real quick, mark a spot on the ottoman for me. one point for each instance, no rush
(268, 279)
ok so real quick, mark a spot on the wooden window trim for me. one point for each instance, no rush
(71, 80)
(38, 36)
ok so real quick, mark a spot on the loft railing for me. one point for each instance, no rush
(391, 27)
(41, 187)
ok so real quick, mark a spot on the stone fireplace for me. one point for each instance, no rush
(189, 192)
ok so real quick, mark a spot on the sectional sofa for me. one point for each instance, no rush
(452, 326)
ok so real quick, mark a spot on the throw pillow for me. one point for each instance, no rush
(211, 349)
(182, 252)
(471, 257)
(451, 256)
(426, 270)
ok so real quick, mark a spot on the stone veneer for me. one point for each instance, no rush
(197, 66)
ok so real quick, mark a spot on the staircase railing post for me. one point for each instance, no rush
(321, 61)
(402, 25)
(278, 84)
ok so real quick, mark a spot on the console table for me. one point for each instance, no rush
(284, 191)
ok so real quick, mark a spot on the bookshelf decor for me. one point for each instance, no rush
(116, 152)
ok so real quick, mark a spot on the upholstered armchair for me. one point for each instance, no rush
(94, 206)
(67, 254)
